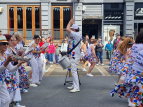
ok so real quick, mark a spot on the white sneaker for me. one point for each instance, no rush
(89, 75)
(83, 69)
(97, 64)
(130, 104)
(74, 90)
(38, 83)
(18, 105)
(89, 64)
(116, 84)
(33, 85)
(25, 91)
(30, 79)
(70, 88)
(102, 64)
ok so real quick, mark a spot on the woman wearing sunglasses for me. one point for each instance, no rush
(12, 79)
(5, 65)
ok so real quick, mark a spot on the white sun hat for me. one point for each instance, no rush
(3, 39)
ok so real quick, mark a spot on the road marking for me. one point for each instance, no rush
(100, 71)
(104, 71)
(47, 70)
(51, 69)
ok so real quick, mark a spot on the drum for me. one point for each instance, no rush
(64, 62)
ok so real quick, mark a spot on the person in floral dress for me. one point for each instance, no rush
(5, 66)
(127, 88)
(91, 56)
(83, 52)
(12, 78)
(23, 82)
(119, 57)
(36, 62)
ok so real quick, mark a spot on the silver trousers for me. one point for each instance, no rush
(74, 64)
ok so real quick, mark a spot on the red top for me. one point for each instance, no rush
(41, 44)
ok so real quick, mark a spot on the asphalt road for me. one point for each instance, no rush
(94, 91)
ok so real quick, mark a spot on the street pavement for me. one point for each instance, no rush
(94, 91)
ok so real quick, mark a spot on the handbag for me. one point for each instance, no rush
(63, 53)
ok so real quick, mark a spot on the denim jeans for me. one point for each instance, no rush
(99, 56)
(47, 56)
(109, 53)
(50, 57)
(57, 58)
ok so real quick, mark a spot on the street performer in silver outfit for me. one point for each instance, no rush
(74, 56)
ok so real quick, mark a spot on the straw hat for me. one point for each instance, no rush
(3, 39)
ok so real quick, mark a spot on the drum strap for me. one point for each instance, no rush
(73, 47)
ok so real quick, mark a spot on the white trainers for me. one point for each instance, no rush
(102, 64)
(18, 105)
(116, 84)
(97, 64)
(38, 83)
(83, 69)
(89, 64)
(74, 90)
(25, 91)
(70, 88)
(89, 75)
(33, 85)
(130, 104)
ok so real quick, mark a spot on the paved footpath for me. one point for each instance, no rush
(95, 91)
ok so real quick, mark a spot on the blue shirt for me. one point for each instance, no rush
(109, 47)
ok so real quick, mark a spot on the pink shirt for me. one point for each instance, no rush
(51, 49)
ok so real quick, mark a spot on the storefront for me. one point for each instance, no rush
(50, 17)
(112, 21)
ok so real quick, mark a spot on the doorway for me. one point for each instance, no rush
(61, 15)
(138, 27)
(91, 28)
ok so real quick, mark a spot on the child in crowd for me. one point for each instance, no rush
(51, 51)
(57, 54)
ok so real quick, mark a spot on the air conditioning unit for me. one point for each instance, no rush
(1, 9)
(83, 8)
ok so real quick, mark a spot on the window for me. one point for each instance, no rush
(113, 11)
(138, 11)
(115, 6)
(24, 19)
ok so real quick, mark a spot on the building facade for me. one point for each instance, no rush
(95, 18)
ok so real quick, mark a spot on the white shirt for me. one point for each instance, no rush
(64, 47)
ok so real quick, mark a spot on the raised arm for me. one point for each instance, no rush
(69, 25)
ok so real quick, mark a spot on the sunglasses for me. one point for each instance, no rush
(13, 40)
(4, 43)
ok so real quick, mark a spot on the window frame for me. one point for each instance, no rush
(24, 20)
